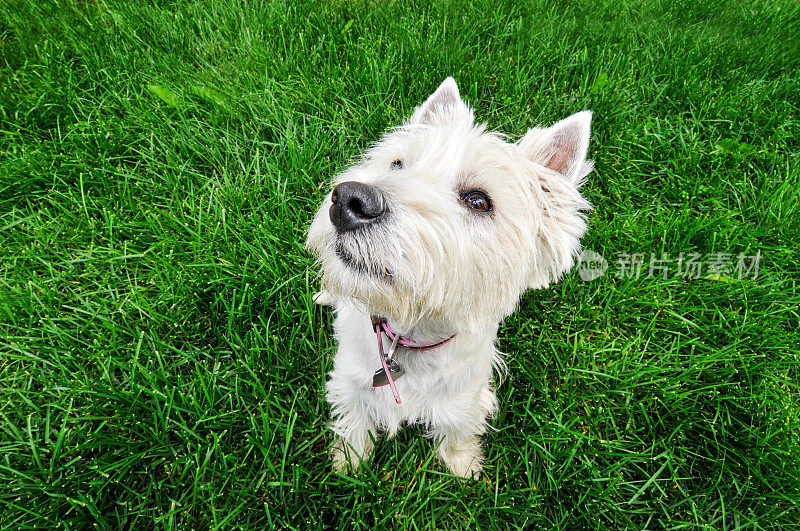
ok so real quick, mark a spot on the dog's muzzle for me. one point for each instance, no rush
(356, 205)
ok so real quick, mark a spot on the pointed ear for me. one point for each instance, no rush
(562, 147)
(445, 103)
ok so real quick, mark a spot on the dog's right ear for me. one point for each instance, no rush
(443, 106)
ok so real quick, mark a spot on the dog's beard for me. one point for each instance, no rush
(358, 257)
(368, 266)
(359, 264)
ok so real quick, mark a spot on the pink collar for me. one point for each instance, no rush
(388, 365)
(381, 325)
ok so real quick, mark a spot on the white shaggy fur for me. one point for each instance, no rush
(435, 268)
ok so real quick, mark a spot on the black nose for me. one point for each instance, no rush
(356, 205)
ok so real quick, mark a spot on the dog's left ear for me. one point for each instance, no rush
(443, 106)
(562, 147)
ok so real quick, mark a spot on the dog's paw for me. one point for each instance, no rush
(340, 457)
(345, 458)
(323, 298)
(464, 460)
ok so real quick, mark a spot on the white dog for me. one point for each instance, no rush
(429, 241)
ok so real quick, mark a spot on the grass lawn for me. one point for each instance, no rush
(162, 364)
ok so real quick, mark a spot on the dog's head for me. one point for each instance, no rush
(444, 220)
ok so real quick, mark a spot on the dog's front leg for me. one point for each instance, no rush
(354, 430)
(458, 433)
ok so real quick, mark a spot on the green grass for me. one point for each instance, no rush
(162, 364)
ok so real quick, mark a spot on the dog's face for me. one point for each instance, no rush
(445, 221)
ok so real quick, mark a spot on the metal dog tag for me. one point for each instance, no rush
(380, 379)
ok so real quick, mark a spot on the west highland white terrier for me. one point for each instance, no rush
(425, 245)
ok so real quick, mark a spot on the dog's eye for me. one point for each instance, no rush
(477, 200)
(397, 164)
